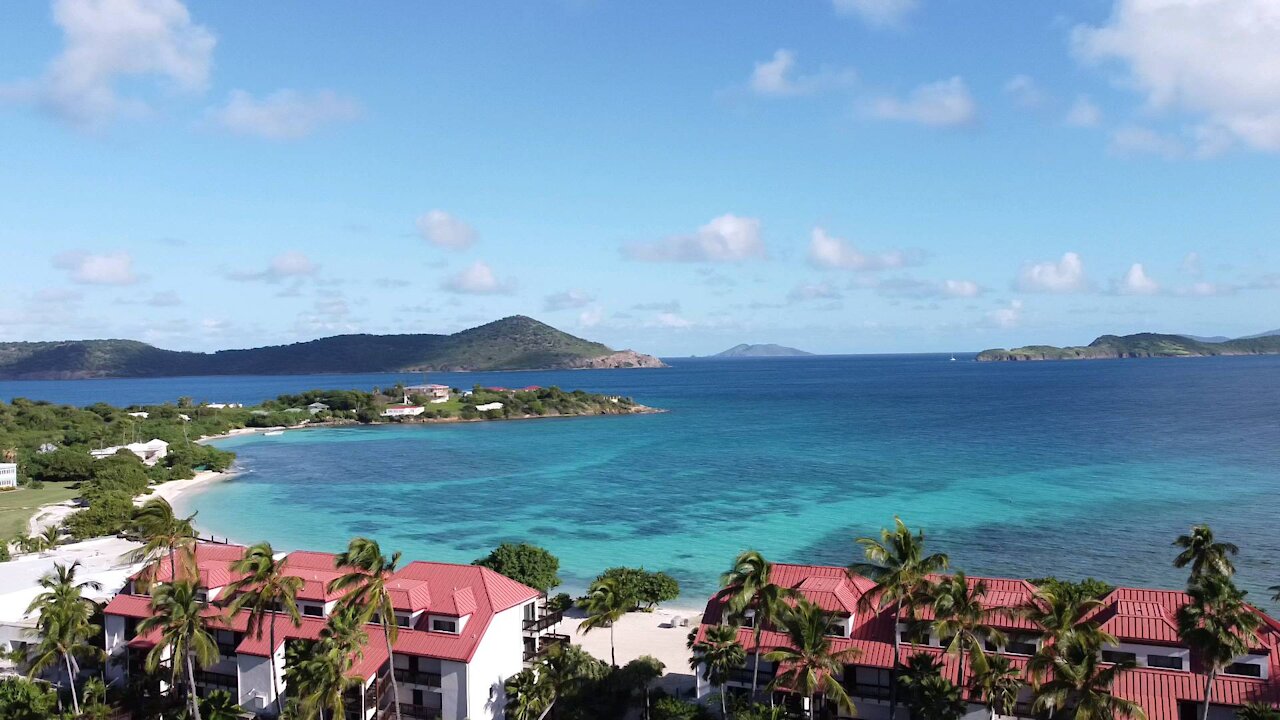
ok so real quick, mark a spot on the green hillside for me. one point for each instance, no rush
(513, 343)
(1139, 345)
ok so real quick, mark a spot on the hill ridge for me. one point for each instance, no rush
(1137, 345)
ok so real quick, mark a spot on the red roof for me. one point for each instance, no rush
(1133, 615)
(213, 561)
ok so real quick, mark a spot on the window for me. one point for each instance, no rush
(530, 612)
(748, 619)
(1244, 668)
(1168, 662)
(1116, 656)
(402, 620)
(442, 625)
(312, 610)
(1021, 645)
(838, 627)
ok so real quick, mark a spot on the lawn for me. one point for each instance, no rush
(17, 506)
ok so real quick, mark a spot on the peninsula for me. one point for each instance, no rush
(1140, 345)
(767, 350)
(513, 343)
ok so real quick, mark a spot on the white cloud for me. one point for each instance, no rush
(777, 77)
(440, 228)
(591, 317)
(1008, 316)
(1131, 140)
(292, 264)
(1191, 264)
(103, 269)
(878, 13)
(1207, 289)
(1026, 93)
(566, 300)
(1137, 282)
(813, 291)
(1083, 113)
(828, 251)
(669, 320)
(1065, 276)
(1202, 57)
(728, 238)
(914, 288)
(284, 114)
(961, 288)
(107, 41)
(946, 103)
(478, 279)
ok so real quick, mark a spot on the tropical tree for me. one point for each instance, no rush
(929, 694)
(64, 624)
(181, 617)
(749, 584)
(1257, 711)
(322, 677)
(959, 614)
(639, 674)
(812, 665)
(529, 695)
(1064, 615)
(1218, 625)
(365, 588)
(163, 533)
(997, 682)
(25, 699)
(1079, 679)
(718, 654)
(897, 563)
(264, 590)
(1203, 553)
(570, 672)
(50, 537)
(606, 603)
(220, 705)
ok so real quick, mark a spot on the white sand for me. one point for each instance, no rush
(175, 489)
(52, 514)
(641, 633)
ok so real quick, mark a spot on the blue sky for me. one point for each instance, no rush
(843, 176)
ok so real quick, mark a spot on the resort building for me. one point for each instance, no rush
(149, 452)
(8, 476)
(1169, 682)
(403, 410)
(435, 393)
(463, 630)
(489, 406)
(316, 407)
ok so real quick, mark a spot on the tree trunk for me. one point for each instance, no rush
(724, 705)
(71, 680)
(1208, 694)
(613, 650)
(391, 661)
(173, 565)
(755, 674)
(893, 671)
(960, 669)
(275, 685)
(191, 689)
(813, 707)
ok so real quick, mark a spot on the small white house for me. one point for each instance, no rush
(142, 415)
(436, 393)
(403, 410)
(8, 476)
(149, 452)
(489, 406)
(316, 407)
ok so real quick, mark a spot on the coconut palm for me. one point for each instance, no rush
(812, 665)
(264, 590)
(1064, 617)
(163, 533)
(1257, 711)
(749, 584)
(997, 683)
(323, 677)
(1081, 680)
(570, 672)
(959, 614)
(220, 705)
(897, 563)
(64, 627)
(365, 585)
(639, 674)
(718, 654)
(181, 617)
(606, 602)
(1203, 553)
(529, 695)
(50, 537)
(929, 694)
(1218, 625)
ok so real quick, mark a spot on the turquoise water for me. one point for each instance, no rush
(1072, 468)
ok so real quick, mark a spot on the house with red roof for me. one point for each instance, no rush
(462, 631)
(1168, 682)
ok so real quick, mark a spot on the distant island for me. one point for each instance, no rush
(1140, 345)
(513, 343)
(767, 350)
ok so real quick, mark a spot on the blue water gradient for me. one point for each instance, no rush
(1070, 468)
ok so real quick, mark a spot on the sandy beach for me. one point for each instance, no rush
(642, 633)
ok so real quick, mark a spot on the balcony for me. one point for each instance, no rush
(217, 681)
(548, 620)
(417, 712)
(227, 651)
(873, 691)
(743, 675)
(544, 643)
(414, 677)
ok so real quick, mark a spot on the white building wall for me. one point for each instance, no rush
(113, 628)
(254, 676)
(499, 655)
(453, 689)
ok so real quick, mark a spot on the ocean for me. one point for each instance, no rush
(1020, 469)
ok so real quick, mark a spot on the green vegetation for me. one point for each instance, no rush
(1088, 588)
(23, 699)
(1137, 346)
(528, 564)
(513, 343)
(642, 588)
(17, 507)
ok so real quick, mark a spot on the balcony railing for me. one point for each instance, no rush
(217, 680)
(417, 712)
(874, 691)
(744, 675)
(539, 624)
(415, 677)
(544, 643)
(227, 650)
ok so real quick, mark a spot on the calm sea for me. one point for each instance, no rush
(1069, 468)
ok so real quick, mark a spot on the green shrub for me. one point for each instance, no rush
(528, 564)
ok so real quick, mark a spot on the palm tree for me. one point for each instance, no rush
(750, 584)
(997, 682)
(1257, 711)
(1064, 617)
(1080, 679)
(220, 705)
(64, 627)
(960, 615)
(929, 694)
(264, 589)
(896, 562)
(606, 602)
(164, 534)
(181, 618)
(530, 695)
(1218, 625)
(639, 674)
(569, 671)
(718, 654)
(1203, 553)
(50, 537)
(365, 586)
(812, 665)
(321, 678)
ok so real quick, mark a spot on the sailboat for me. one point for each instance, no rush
(953, 358)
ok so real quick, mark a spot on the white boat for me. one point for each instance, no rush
(272, 433)
(953, 358)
